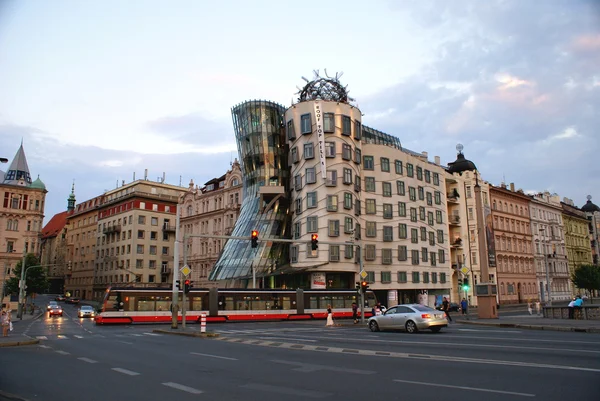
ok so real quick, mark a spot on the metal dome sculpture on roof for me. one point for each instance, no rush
(461, 164)
(589, 206)
(324, 88)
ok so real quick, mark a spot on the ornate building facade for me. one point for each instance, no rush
(592, 213)
(577, 238)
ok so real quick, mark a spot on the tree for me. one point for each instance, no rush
(36, 279)
(587, 277)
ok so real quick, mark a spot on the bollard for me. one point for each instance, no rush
(203, 323)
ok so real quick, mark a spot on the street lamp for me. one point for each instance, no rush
(548, 286)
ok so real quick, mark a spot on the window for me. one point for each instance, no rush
(295, 158)
(348, 225)
(291, 132)
(370, 184)
(400, 188)
(153, 235)
(402, 231)
(371, 229)
(297, 182)
(412, 194)
(141, 219)
(409, 170)
(294, 253)
(347, 200)
(424, 255)
(438, 217)
(402, 277)
(357, 207)
(402, 253)
(430, 218)
(334, 253)
(438, 197)
(140, 234)
(329, 149)
(357, 183)
(346, 126)
(368, 163)
(332, 203)
(423, 234)
(309, 151)
(387, 211)
(436, 179)
(140, 249)
(152, 250)
(311, 200)
(334, 228)
(386, 277)
(419, 173)
(432, 256)
(442, 278)
(349, 251)
(387, 189)
(425, 276)
(442, 256)
(429, 199)
(347, 179)
(346, 152)
(371, 206)
(401, 209)
(331, 180)
(357, 155)
(357, 130)
(311, 224)
(370, 252)
(328, 122)
(414, 235)
(305, 124)
(388, 233)
(422, 213)
(311, 175)
(385, 164)
(440, 237)
(398, 167)
(298, 205)
(415, 276)
(297, 230)
(427, 176)
(413, 214)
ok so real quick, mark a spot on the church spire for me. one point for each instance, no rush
(18, 172)
(71, 200)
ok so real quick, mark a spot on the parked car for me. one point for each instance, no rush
(409, 317)
(56, 310)
(51, 304)
(72, 300)
(86, 311)
(60, 298)
(454, 307)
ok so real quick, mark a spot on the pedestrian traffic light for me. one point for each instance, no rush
(178, 284)
(187, 285)
(314, 242)
(358, 286)
(465, 285)
(364, 286)
(460, 282)
(254, 238)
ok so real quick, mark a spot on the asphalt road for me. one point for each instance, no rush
(298, 361)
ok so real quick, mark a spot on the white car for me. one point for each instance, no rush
(86, 311)
(51, 304)
(412, 318)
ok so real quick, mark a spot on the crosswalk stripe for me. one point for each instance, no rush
(138, 335)
(76, 336)
(41, 337)
(62, 337)
(152, 334)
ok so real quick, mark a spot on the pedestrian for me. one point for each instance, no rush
(5, 321)
(329, 316)
(530, 308)
(446, 308)
(577, 305)
(538, 307)
(464, 305)
(354, 312)
(572, 309)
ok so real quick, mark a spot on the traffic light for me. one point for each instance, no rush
(254, 238)
(314, 242)
(358, 286)
(465, 285)
(187, 285)
(178, 283)
(364, 286)
(460, 282)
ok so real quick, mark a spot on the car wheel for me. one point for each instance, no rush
(373, 326)
(436, 329)
(411, 327)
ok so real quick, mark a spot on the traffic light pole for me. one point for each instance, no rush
(175, 291)
(185, 241)
(362, 293)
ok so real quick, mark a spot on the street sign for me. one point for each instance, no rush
(464, 270)
(185, 270)
(363, 274)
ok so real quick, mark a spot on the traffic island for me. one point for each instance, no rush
(187, 333)
(18, 343)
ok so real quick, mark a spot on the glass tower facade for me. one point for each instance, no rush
(263, 151)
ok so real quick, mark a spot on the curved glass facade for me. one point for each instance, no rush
(263, 152)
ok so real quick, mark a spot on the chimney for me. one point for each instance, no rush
(425, 154)
(146, 174)
(163, 178)
(512, 187)
(122, 183)
(134, 176)
(437, 160)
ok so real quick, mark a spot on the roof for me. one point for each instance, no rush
(55, 225)
(461, 164)
(18, 170)
(38, 184)
(589, 207)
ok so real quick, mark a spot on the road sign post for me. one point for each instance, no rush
(185, 270)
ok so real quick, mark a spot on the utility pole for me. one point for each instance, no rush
(183, 306)
(22, 286)
(175, 292)
(362, 294)
(544, 249)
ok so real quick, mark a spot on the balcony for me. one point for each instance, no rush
(168, 228)
(457, 243)
(454, 219)
(233, 206)
(112, 229)
(165, 270)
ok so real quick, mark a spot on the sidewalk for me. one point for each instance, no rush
(533, 322)
(15, 338)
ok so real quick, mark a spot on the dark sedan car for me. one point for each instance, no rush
(454, 307)
(60, 298)
(72, 300)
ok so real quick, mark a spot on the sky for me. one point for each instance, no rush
(98, 91)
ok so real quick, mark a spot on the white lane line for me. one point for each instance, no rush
(41, 337)
(288, 338)
(125, 342)
(183, 388)
(88, 360)
(76, 336)
(137, 335)
(531, 340)
(487, 390)
(492, 331)
(214, 356)
(60, 336)
(153, 334)
(125, 371)
(63, 352)
(44, 346)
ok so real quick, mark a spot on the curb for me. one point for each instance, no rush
(187, 333)
(10, 397)
(19, 343)
(536, 327)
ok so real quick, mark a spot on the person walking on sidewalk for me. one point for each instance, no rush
(446, 308)
(464, 306)
(530, 308)
(538, 307)
(5, 320)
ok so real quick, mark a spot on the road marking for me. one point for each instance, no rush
(137, 335)
(125, 342)
(63, 352)
(153, 334)
(125, 371)
(88, 360)
(492, 331)
(44, 346)
(214, 356)
(531, 340)
(76, 336)
(487, 390)
(183, 388)
(287, 338)
(286, 390)
(41, 337)
(61, 337)
(98, 335)
(310, 367)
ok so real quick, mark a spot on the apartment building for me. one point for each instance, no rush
(577, 238)
(592, 213)
(212, 209)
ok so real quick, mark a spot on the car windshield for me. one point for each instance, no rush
(422, 308)
(55, 307)
(86, 308)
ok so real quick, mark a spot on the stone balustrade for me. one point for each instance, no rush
(585, 312)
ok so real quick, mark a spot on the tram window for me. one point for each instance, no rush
(163, 303)
(197, 303)
(145, 304)
(111, 303)
(285, 303)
